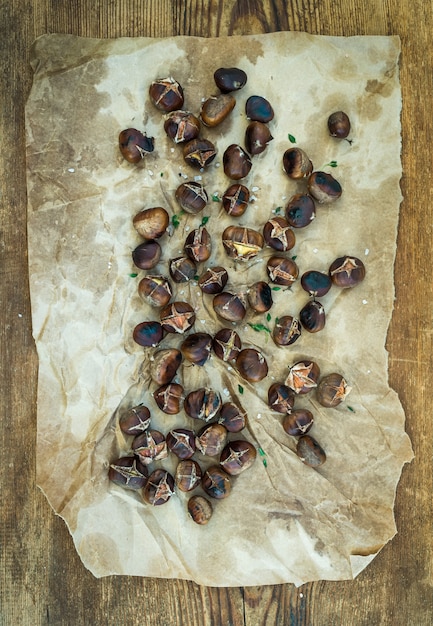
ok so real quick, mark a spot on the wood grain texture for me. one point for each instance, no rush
(42, 579)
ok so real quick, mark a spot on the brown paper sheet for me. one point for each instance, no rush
(285, 522)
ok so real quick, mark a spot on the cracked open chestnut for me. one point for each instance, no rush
(281, 398)
(235, 200)
(188, 475)
(198, 244)
(177, 317)
(282, 270)
(169, 398)
(199, 152)
(155, 290)
(237, 457)
(229, 307)
(191, 196)
(227, 344)
(166, 94)
(182, 126)
(128, 472)
(216, 482)
(298, 422)
(213, 280)
(286, 330)
(278, 234)
(347, 271)
(134, 145)
(211, 439)
(303, 376)
(251, 365)
(236, 162)
(159, 487)
(332, 390)
(181, 441)
(150, 446)
(135, 420)
(182, 269)
(164, 365)
(202, 404)
(232, 417)
(242, 243)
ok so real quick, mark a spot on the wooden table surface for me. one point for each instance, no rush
(42, 578)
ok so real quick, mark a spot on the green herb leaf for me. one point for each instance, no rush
(133, 275)
(261, 452)
(276, 288)
(265, 462)
(351, 409)
(175, 220)
(259, 327)
(268, 317)
(331, 164)
(162, 174)
(196, 277)
(240, 389)
(204, 221)
(294, 257)
(291, 138)
(216, 198)
(277, 319)
(278, 209)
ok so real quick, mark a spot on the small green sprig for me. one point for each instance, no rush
(260, 327)
(291, 138)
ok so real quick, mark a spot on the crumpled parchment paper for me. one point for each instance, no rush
(284, 522)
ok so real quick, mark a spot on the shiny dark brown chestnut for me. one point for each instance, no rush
(300, 210)
(196, 348)
(166, 94)
(303, 376)
(181, 442)
(215, 109)
(134, 145)
(135, 420)
(296, 163)
(332, 390)
(235, 200)
(347, 271)
(198, 244)
(216, 482)
(251, 365)
(298, 422)
(312, 316)
(169, 398)
(146, 255)
(182, 269)
(188, 475)
(159, 488)
(286, 331)
(177, 317)
(257, 137)
(316, 283)
(242, 243)
(324, 187)
(164, 365)
(182, 126)
(151, 223)
(155, 290)
(278, 234)
(213, 280)
(148, 334)
(227, 344)
(128, 472)
(150, 446)
(232, 417)
(192, 197)
(237, 457)
(260, 297)
(281, 398)
(310, 452)
(339, 125)
(236, 162)
(200, 510)
(258, 109)
(211, 439)
(282, 270)
(229, 79)
(199, 152)
(229, 307)
(202, 404)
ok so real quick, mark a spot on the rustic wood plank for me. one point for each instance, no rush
(42, 578)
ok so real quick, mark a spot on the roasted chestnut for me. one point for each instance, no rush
(278, 234)
(164, 365)
(155, 290)
(260, 297)
(242, 243)
(236, 162)
(133, 145)
(300, 210)
(151, 223)
(128, 472)
(159, 487)
(182, 126)
(303, 376)
(324, 187)
(235, 200)
(177, 317)
(166, 94)
(199, 509)
(213, 280)
(339, 124)
(135, 420)
(312, 316)
(282, 270)
(332, 390)
(150, 446)
(148, 334)
(188, 475)
(298, 422)
(182, 269)
(227, 344)
(237, 457)
(251, 365)
(216, 482)
(181, 442)
(281, 398)
(257, 137)
(347, 271)
(146, 255)
(229, 307)
(191, 196)
(211, 439)
(202, 404)
(296, 163)
(199, 152)
(229, 79)
(198, 244)
(259, 109)
(215, 109)
(316, 283)
(310, 452)
(169, 397)
(286, 330)
(196, 348)
(232, 417)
